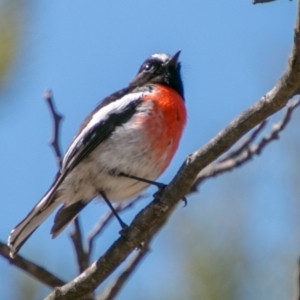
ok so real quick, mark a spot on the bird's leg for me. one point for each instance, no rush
(123, 225)
(159, 185)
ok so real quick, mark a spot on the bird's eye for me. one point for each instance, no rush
(148, 67)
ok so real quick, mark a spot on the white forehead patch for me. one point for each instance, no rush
(162, 56)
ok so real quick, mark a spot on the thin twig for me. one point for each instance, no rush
(115, 288)
(261, 1)
(81, 253)
(57, 118)
(76, 235)
(245, 152)
(246, 143)
(277, 128)
(31, 268)
(229, 161)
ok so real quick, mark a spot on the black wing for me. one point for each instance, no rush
(100, 126)
(97, 127)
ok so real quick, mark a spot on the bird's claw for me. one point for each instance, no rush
(185, 201)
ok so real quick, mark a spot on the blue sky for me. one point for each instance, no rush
(232, 54)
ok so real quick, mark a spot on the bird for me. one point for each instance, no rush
(121, 148)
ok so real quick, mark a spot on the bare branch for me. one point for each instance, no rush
(56, 126)
(81, 253)
(114, 289)
(158, 209)
(245, 152)
(229, 162)
(277, 128)
(246, 143)
(262, 1)
(76, 235)
(31, 268)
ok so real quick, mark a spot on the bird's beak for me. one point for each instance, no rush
(174, 59)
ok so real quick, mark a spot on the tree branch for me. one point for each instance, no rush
(114, 289)
(57, 118)
(245, 152)
(81, 253)
(76, 235)
(31, 268)
(262, 1)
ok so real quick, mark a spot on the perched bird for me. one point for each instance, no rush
(124, 145)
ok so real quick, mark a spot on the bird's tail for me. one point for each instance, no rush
(25, 229)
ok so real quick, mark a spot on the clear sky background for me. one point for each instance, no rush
(239, 237)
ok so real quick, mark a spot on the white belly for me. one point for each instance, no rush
(125, 151)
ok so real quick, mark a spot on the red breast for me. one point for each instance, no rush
(165, 124)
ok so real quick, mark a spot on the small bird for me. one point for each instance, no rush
(121, 148)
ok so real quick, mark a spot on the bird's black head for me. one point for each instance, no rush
(161, 69)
